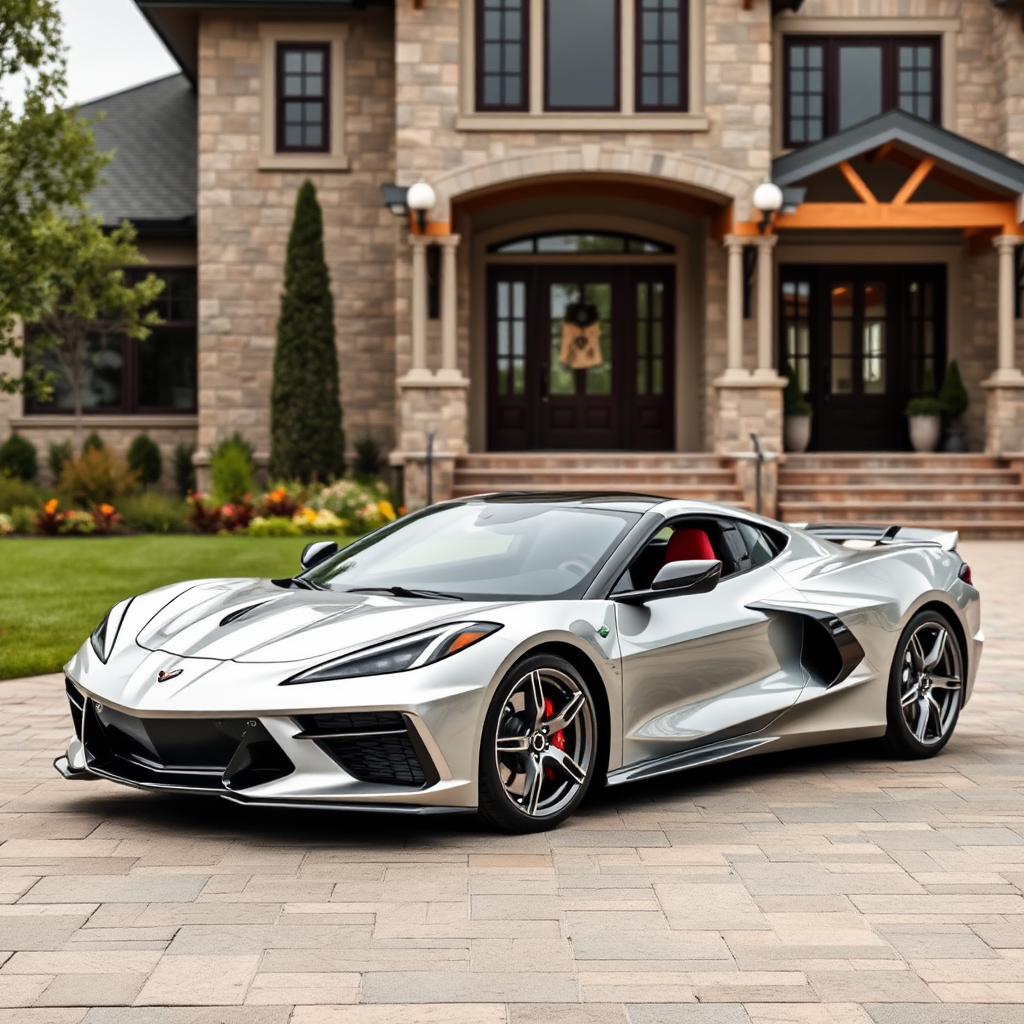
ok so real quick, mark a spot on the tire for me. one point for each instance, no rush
(539, 746)
(925, 688)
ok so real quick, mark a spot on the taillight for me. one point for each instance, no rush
(965, 573)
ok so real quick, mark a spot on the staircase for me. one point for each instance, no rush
(981, 496)
(702, 477)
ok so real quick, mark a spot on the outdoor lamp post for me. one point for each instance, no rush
(421, 200)
(768, 199)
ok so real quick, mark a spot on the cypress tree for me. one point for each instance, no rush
(305, 411)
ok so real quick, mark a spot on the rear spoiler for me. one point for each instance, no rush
(841, 533)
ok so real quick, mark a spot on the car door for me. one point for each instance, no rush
(701, 668)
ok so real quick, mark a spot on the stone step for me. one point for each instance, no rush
(904, 513)
(679, 461)
(719, 495)
(890, 460)
(881, 477)
(586, 477)
(875, 493)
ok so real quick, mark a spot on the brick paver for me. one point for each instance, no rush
(823, 887)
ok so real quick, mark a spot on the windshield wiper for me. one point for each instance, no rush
(406, 592)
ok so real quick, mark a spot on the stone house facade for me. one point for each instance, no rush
(596, 159)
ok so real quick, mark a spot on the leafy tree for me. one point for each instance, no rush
(48, 165)
(145, 459)
(231, 471)
(305, 411)
(92, 299)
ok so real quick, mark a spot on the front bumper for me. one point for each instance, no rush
(363, 759)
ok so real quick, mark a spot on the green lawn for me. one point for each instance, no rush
(53, 591)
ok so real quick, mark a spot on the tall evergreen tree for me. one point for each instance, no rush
(305, 411)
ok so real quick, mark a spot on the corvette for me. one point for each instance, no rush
(505, 653)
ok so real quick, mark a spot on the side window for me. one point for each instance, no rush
(762, 548)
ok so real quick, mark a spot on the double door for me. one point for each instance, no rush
(613, 393)
(862, 340)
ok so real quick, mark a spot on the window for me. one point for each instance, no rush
(502, 55)
(661, 54)
(582, 243)
(123, 375)
(796, 331)
(303, 98)
(832, 84)
(582, 55)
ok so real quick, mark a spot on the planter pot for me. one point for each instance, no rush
(954, 441)
(797, 431)
(925, 432)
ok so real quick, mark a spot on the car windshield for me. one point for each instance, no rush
(481, 550)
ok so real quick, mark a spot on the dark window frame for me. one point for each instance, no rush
(616, 105)
(281, 50)
(480, 42)
(684, 64)
(890, 76)
(130, 404)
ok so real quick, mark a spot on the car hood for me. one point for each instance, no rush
(254, 620)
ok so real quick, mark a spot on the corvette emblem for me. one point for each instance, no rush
(162, 676)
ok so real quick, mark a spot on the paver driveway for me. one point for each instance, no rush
(825, 886)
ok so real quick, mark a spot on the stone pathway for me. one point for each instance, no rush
(825, 887)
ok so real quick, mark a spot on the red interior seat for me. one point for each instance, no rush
(688, 545)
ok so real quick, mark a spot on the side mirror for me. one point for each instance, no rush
(696, 577)
(317, 552)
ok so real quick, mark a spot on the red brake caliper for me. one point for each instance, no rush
(558, 740)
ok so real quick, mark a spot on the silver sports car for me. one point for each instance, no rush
(504, 653)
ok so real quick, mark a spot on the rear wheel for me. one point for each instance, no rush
(539, 746)
(925, 687)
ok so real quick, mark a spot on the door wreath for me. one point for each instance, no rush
(581, 337)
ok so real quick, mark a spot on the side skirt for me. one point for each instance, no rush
(723, 751)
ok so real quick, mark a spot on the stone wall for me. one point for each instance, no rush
(244, 218)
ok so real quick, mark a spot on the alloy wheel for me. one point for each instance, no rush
(931, 683)
(545, 740)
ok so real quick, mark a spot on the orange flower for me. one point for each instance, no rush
(107, 510)
(51, 506)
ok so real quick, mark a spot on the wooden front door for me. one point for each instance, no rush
(536, 400)
(860, 339)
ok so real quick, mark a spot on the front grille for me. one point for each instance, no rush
(372, 746)
(197, 753)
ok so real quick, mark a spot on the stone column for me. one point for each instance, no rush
(734, 309)
(766, 308)
(1004, 390)
(449, 309)
(419, 245)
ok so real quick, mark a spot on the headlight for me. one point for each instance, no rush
(104, 636)
(399, 655)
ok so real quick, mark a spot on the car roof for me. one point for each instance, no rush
(619, 501)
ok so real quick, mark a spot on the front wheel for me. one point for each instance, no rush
(926, 686)
(538, 750)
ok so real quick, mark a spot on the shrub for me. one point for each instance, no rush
(280, 503)
(77, 523)
(49, 518)
(364, 506)
(953, 397)
(6, 524)
(153, 512)
(14, 491)
(57, 453)
(204, 516)
(97, 476)
(105, 519)
(144, 457)
(368, 460)
(237, 516)
(231, 469)
(305, 412)
(925, 404)
(93, 443)
(324, 522)
(184, 471)
(793, 401)
(18, 458)
(23, 518)
(273, 526)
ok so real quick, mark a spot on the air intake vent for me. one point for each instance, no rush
(372, 746)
